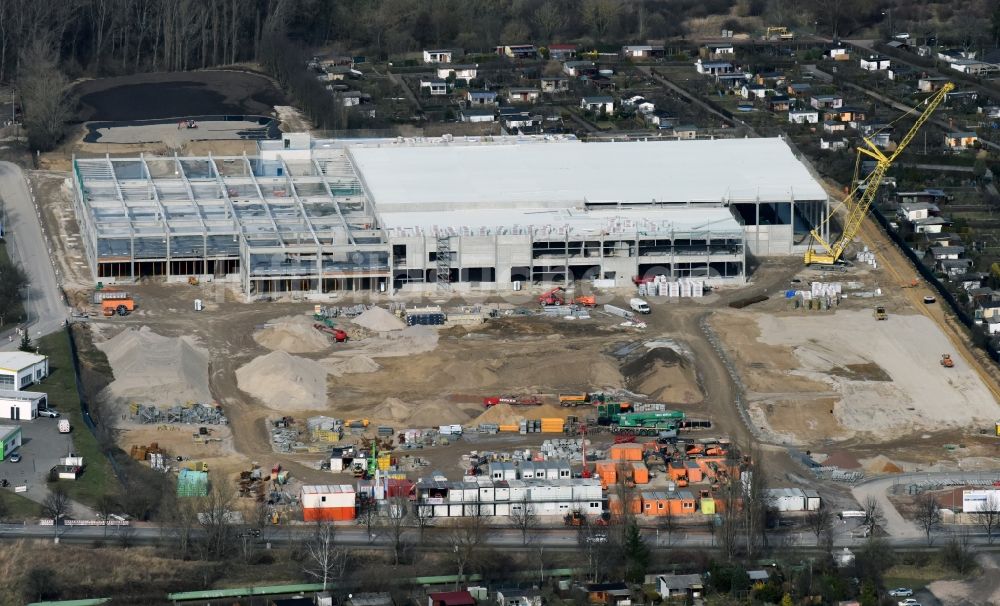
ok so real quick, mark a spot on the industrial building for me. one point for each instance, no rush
(18, 405)
(328, 503)
(313, 216)
(19, 369)
(486, 497)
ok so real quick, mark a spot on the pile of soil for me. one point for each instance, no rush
(377, 319)
(150, 368)
(501, 414)
(409, 341)
(392, 410)
(842, 460)
(355, 364)
(292, 334)
(882, 464)
(662, 374)
(285, 382)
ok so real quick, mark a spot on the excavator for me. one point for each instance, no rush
(827, 254)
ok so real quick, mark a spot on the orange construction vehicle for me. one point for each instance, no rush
(553, 296)
(586, 300)
(122, 306)
(338, 335)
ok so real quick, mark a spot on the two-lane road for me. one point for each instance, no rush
(28, 247)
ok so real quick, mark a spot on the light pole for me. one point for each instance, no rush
(888, 12)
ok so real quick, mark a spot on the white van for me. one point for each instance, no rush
(639, 306)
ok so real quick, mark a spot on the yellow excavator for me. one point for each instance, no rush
(826, 253)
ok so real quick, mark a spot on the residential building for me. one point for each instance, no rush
(941, 252)
(803, 116)
(518, 51)
(519, 597)
(834, 126)
(680, 586)
(608, 594)
(438, 56)
(481, 97)
(732, 79)
(758, 576)
(838, 53)
(459, 72)
(799, 89)
(562, 52)
(523, 95)
(987, 309)
(930, 225)
(660, 119)
(554, 85)
(642, 51)
(435, 88)
(753, 91)
(791, 499)
(913, 211)
(992, 325)
(960, 140)
(929, 84)
(450, 598)
(932, 196)
(522, 121)
(955, 54)
(599, 104)
(901, 73)
(973, 67)
(713, 68)
(579, 68)
(771, 79)
(826, 101)
(687, 131)
(833, 144)
(719, 50)
(21, 405)
(19, 369)
(972, 280)
(954, 267)
(779, 103)
(474, 114)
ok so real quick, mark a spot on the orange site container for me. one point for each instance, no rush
(608, 471)
(626, 452)
(327, 514)
(640, 473)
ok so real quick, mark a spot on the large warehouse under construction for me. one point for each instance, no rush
(317, 216)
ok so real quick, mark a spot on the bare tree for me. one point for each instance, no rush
(819, 521)
(524, 519)
(595, 544)
(324, 561)
(549, 20)
(368, 517)
(667, 526)
(423, 514)
(56, 506)
(394, 517)
(463, 539)
(106, 505)
(216, 518)
(126, 535)
(988, 515)
(928, 515)
(874, 516)
(755, 506)
(957, 552)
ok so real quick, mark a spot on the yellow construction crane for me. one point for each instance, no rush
(822, 252)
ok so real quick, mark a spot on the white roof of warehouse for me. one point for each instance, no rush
(561, 173)
(16, 361)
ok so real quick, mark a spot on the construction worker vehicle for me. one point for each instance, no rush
(946, 361)
(338, 335)
(778, 32)
(586, 300)
(122, 305)
(553, 296)
(512, 400)
(573, 399)
(825, 254)
(880, 313)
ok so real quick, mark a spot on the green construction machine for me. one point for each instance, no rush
(650, 423)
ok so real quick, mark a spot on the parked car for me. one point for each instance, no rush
(900, 592)
(908, 602)
(48, 412)
(929, 299)
(598, 538)
(15, 457)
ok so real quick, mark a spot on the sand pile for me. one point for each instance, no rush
(661, 373)
(437, 412)
(379, 320)
(406, 342)
(501, 414)
(292, 334)
(392, 410)
(154, 369)
(355, 364)
(285, 382)
(881, 464)
(551, 411)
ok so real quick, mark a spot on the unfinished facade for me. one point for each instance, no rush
(323, 216)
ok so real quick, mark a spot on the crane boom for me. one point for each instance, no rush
(831, 253)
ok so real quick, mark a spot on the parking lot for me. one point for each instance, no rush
(41, 448)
